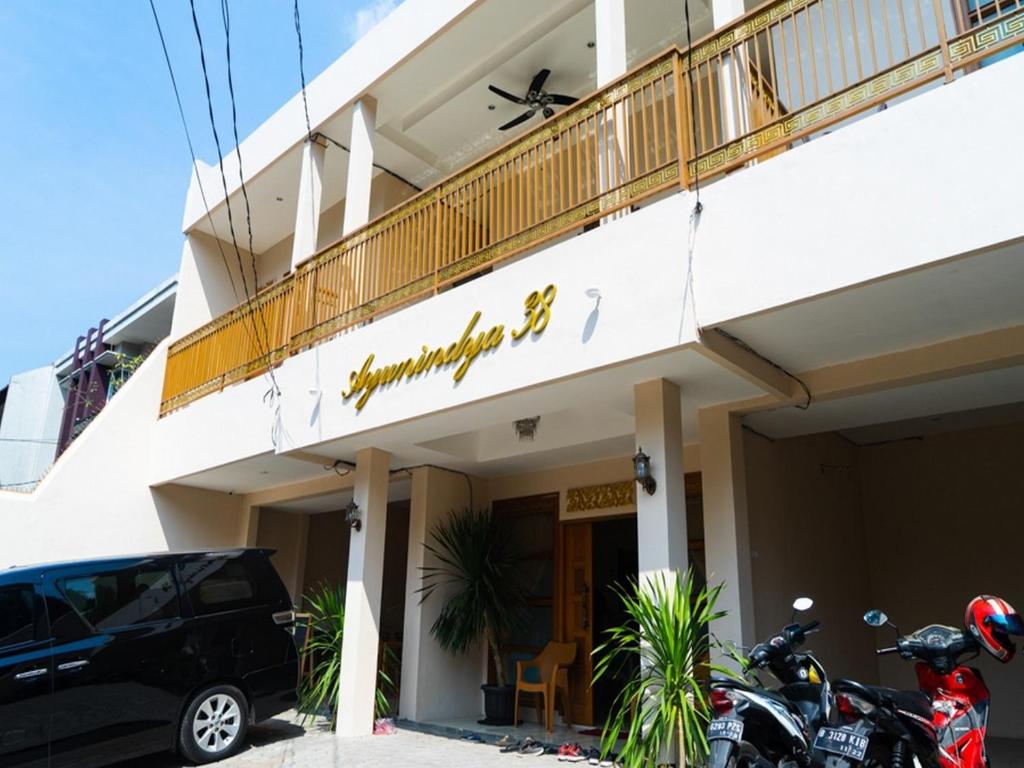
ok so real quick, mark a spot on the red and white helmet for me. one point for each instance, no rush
(991, 621)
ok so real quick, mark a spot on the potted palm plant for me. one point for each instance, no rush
(662, 705)
(477, 569)
(318, 692)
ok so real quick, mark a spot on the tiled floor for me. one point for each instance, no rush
(285, 742)
(491, 733)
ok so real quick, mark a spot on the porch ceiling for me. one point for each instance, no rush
(433, 113)
(960, 297)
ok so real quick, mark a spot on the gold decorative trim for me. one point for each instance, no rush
(605, 496)
(744, 30)
(919, 69)
(984, 38)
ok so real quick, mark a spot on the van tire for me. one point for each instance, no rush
(228, 708)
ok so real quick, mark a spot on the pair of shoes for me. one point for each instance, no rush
(594, 758)
(530, 747)
(571, 752)
(507, 740)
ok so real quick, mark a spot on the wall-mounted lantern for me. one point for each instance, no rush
(642, 471)
(352, 516)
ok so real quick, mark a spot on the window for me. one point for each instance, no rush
(221, 584)
(17, 616)
(123, 598)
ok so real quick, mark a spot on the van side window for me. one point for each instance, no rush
(17, 617)
(221, 584)
(123, 598)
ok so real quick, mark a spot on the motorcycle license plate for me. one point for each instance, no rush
(840, 741)
(730, 730)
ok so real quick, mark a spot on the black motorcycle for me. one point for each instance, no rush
(757, 727)
(886, 727)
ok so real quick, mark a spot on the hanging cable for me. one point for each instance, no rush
(697, 208)
(302, 72)
(192, 153)
(275, 392)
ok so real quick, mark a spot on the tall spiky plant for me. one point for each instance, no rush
(663, 703)
(481, 562)
(319, 690)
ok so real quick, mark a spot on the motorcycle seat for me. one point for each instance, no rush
(914, 702)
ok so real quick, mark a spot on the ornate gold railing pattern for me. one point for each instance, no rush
(787, 70)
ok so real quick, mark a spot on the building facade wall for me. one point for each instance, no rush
(29, 428)
(96, 500)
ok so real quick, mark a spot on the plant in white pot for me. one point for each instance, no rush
(478, 573)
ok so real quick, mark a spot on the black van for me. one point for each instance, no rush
(105, 660)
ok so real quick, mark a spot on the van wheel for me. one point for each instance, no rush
(214, 724)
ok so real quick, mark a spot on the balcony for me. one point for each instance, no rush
(788, 71)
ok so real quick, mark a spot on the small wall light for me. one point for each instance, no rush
(526, 429)
(352, 516)
(642, 471)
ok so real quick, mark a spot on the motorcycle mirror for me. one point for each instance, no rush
(803, 604)
(875, 618)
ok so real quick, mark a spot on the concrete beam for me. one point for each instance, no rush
(724, 351)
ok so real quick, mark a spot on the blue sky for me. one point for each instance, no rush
(93, 159)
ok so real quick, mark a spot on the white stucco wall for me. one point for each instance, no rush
(96, 501)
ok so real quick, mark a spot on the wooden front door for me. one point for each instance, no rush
(577, 605)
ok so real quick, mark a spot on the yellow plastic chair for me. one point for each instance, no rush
(552, 665)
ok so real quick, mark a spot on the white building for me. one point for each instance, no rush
(826, 365)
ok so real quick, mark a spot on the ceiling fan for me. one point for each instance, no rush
(536, 100)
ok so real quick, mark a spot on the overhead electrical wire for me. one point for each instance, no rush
(225, 13)
(192, 152)
(302, 71)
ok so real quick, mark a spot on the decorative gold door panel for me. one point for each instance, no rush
(577, 615)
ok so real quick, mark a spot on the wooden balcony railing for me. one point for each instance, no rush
(785, 71)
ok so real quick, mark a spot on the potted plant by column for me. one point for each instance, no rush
(477, 571)
(663, 705)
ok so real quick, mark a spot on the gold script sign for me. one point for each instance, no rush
(366, 381)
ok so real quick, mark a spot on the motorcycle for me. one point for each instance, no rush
(941, 726)
(757, 727)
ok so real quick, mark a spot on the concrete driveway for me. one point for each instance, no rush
(284, 742)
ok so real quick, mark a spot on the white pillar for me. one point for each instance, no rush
(307, 209)
(734, 104)
(435, 684)
(661, 516)
(362, 597)
(610, 40)
(360, 164)
(726, 529)
(610, 47)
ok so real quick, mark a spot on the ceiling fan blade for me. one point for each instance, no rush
(557, 98)
(538, 80)
(506, 94)
(516, 121)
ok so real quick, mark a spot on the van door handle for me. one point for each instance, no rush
(67, 666)
(31, 674)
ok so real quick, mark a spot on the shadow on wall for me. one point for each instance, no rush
(193, 518)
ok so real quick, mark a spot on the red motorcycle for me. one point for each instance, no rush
(943, 725)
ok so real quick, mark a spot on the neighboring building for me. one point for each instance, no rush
(825, 365)
(45, 409)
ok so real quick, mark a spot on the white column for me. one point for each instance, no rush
(726, 529)
(735, 122)
(610, 39)
(362, 597)
(435, 684)
(360, 164)
(610, 47)
(661, 516)
(307, 209)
